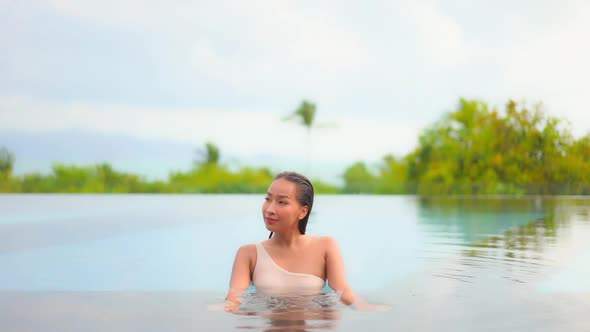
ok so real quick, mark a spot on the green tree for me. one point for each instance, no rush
(358, 179)
(6, 162)
(7, 182)
(208, 155)
(393, 176)
(476, 150)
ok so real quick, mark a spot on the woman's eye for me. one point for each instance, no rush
(282, 203)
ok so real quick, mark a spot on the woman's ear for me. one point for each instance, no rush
(303, 212)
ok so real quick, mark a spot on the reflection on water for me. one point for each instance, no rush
(161, 311)
(155, 263)
(292, 313)
(258, 302)
(515, 238)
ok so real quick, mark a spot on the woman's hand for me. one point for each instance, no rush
(230, 306)
(227, 306)
(364, 306)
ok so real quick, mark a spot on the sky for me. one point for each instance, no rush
(229, 72)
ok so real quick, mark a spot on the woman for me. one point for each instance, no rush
(290, 262)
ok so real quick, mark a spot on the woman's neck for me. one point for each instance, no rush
(289, 240)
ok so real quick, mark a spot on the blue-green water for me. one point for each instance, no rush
(156, 262)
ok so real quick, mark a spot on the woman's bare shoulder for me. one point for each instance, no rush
(247, 249)
(327, 242)
(326, 239)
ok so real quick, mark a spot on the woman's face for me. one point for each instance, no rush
(281, 210)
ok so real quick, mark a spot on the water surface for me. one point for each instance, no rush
(159, 262)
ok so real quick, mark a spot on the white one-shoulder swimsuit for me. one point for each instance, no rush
(271, 279)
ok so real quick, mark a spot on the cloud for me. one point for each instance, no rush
(381, 60)
(554, 64)
(134, 14)
(278, 27)
(559, 55)
(442, 38)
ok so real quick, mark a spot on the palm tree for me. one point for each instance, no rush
(6, 161)
(306, 114)
(209, 155)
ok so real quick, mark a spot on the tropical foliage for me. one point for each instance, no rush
(6, 162)
(478, 150)
(207, 176)
(472, 150)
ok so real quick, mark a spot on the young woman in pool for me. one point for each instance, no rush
(290, 262)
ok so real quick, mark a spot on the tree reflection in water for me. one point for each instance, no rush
(529, 240)
(517, 235)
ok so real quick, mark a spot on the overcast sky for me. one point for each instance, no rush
(229, 71)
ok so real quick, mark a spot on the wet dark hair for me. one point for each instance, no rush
(305, 192)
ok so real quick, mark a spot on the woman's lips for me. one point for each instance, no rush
(271, 221)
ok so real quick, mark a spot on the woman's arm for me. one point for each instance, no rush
(336, 273)
(241, 276)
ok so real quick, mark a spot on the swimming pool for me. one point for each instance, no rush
(156, 262)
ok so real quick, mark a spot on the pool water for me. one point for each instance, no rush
(162, 262)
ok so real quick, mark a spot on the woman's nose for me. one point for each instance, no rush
(270, 208)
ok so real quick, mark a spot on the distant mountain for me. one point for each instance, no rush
(151, 158)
